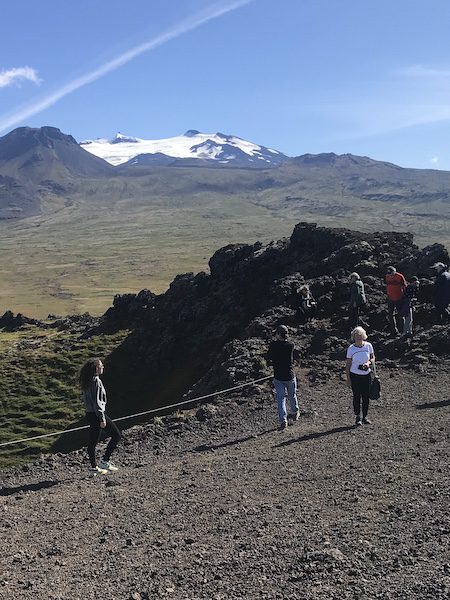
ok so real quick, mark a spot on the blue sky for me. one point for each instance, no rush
(365, 77)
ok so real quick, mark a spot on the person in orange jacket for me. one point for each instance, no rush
(395, 288)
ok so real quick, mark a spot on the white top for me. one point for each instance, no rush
(359, 356)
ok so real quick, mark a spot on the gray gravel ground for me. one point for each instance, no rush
(227, 507)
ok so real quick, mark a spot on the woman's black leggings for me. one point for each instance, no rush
(360, 389)
(94, 436)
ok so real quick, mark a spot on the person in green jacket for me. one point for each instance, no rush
(357, 299)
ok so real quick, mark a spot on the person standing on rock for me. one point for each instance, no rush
(406, 308)
(94, 396)
(395, 288)
(359, 364)
(281, 356)
(307, 306)
(357, 299)
(441, 293)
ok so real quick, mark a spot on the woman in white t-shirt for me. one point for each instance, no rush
(359, 365)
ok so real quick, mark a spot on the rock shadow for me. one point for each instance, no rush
(28, 487)
(314, 436)
(439, 404)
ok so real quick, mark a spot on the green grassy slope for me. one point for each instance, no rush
(76, 259)
(38, 386)
(141, 227)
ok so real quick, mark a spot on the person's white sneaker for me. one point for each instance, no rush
(107, 466)
(97, 471)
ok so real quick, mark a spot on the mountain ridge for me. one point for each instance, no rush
(198, 202)
(192, 146)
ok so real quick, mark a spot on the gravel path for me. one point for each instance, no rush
(228, 507)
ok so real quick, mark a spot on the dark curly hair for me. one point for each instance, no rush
(87, 372)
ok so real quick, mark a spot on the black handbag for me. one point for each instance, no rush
(375, 389)
(375, 385)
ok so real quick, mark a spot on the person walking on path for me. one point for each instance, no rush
(441, 293)
(94, 396)
(395, 288)
(359, 364)
(357, 299)
(281, 356)
(406, 307)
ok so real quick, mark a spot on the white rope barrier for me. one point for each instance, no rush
(140, 414)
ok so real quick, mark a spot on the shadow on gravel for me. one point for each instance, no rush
(208, 447)
(439, 404)
(314, 436)
(28, 487)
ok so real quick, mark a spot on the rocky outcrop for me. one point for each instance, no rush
(11, 322)
(127, 311)
(211, 330)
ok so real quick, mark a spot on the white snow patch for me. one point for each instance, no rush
(177, 147)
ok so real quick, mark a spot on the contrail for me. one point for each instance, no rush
(184, 26)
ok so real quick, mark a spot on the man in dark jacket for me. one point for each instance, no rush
(406, 308)
(441, 292)
(281, 356)
(357, 299)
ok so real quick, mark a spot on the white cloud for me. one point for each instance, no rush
(413, 96)
(17, 74)
(362, 119)
(188, 24)
(434, 160)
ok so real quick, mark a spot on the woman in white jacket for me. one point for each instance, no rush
(359, 365)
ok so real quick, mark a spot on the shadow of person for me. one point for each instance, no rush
(316, 435)
(439, 404)
(28, 487)
(209, 447)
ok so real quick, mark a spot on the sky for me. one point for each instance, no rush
(302, 76)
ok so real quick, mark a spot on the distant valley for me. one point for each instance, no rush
(76, 229)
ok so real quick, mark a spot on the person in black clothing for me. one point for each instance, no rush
(441, 293)
(281, 356)
(307, 306)
(406, 306)
(357, 299)
(94, 396)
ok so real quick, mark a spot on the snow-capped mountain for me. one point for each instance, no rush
(189, 148)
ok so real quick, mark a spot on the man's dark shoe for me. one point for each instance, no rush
(283, 425)
(293, 417)
(366, 421)
(358, 421)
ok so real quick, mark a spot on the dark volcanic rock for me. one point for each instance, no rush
(11, 322)
(128, 311)
(181, 339)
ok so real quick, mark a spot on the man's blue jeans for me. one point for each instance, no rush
(283, 389)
